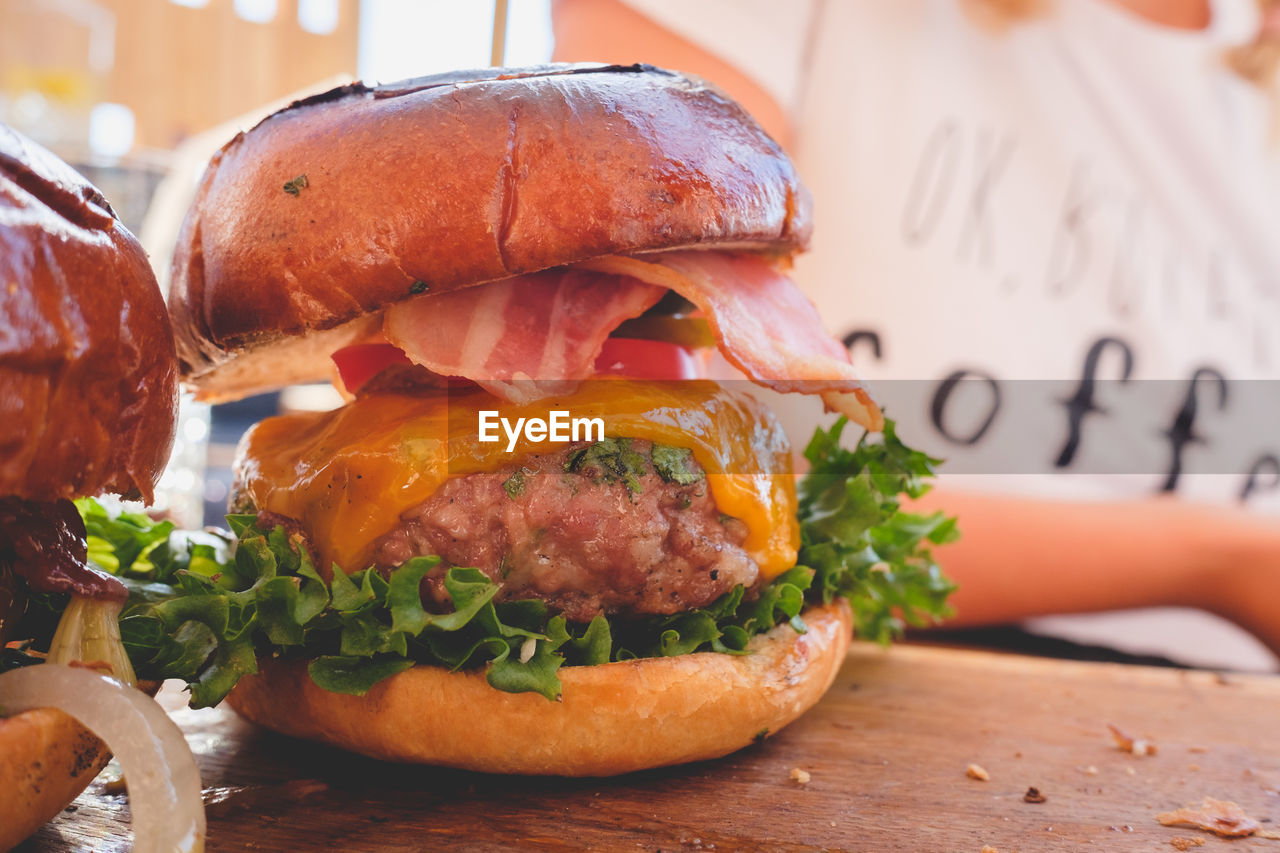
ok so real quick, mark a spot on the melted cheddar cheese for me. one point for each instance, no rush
(349, 474)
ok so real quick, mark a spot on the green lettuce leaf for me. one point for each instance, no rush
(354, 675)
(202, 608)
(860, 544)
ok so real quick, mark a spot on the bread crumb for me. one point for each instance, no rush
(976, 771)
(1131, 771)
(987, 848)
(1186, 843)
(800, 777)
(1270, 834)
(1221, 817)
(1193, 767)
(1137, 746)
(1033, 795)
(1089, 771)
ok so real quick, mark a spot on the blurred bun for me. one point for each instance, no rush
(88, 402)
(338, 205)
(88, 386)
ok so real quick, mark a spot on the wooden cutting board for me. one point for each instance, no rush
(886, 751)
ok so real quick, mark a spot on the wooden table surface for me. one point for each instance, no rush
(886, 751)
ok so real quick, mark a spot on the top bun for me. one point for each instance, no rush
(350, 201)
(88, 385)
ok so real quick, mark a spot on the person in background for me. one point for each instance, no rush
(1017, 191)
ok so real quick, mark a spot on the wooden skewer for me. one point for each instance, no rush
(498, 49)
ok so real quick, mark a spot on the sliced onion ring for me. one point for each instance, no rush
(164, 784)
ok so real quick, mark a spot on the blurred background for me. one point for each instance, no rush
(115, 86)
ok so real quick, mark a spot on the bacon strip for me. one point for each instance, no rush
(521, 338)
(537, 335)
(764, 325)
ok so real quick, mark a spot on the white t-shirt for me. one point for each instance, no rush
(995, 206)
(1005, 203)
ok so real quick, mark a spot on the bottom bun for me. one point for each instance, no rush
(46, 760)
(613, 718)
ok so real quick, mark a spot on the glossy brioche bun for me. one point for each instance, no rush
(614, 718)
(454, 180)
(46, 760)
(88, 381)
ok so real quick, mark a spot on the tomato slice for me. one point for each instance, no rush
(359, 363)
(643, 359)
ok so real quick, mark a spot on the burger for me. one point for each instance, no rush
(536, 539)
(88, 395)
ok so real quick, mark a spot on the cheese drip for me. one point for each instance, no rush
(348, 475)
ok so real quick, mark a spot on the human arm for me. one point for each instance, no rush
(1022, 557)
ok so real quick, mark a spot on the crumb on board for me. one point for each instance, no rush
(1137, 746)
(1088, 771)
(1034, 795)
(1180, 843)
(800, 777)
(977, 771)
(1220, 817)
(987, 848)
(1131, 771)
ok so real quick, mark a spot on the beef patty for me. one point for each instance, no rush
(619, 526)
